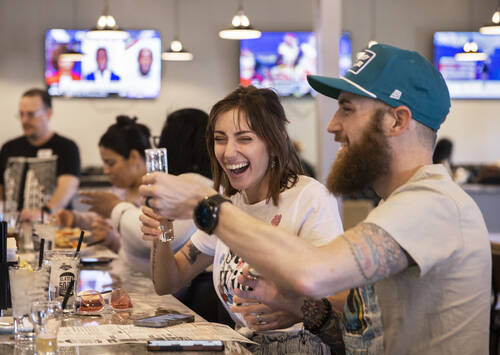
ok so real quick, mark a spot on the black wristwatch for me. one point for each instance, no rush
(206, 214)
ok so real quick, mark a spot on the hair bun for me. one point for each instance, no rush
(124, 120)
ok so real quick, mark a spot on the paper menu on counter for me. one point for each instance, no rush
(111, 334)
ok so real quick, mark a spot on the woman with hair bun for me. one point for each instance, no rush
(114, 216)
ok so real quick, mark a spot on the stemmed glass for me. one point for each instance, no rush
(156, 160)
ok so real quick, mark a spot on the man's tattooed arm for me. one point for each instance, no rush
(376, 253)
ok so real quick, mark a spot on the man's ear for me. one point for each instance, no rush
(49, 113)
(401, 119)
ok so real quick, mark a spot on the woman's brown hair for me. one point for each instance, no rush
(266, 116)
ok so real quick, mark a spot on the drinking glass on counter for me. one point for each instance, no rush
(65, 269)
(156, 160)
(26, 286)
(47, 232)
(46, 316)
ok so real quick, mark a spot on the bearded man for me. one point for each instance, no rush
(418, 267)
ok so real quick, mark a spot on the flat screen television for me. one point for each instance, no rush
(468, 79)
(279, 60)
(282, 61)
(80, 64)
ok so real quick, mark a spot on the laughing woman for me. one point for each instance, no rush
(255, 164)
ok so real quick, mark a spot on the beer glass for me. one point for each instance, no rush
(156, 160)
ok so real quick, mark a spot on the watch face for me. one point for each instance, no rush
(203, 216)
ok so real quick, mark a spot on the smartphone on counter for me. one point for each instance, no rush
(164, 320)
(95, 261)
(185, 345)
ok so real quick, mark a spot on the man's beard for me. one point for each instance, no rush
(363, 162)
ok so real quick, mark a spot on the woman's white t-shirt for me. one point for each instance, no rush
(307, 210)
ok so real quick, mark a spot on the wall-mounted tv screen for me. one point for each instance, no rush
(478, 79)
(279, 60)
(79, 63)
(345, 53)
(282, 61)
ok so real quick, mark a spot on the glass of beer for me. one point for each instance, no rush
(156, 160)
(46, 317)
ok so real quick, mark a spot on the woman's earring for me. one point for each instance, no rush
(274, 162)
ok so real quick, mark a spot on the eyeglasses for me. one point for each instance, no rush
(29, 114)
(93, 301)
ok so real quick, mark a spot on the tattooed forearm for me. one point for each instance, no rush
(192, 253)
(376, 253)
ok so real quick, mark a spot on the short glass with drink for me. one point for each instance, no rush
(46, 316)
(65, 270)
(156, 160)
(26, 286)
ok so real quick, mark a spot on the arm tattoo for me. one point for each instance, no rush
(376, 253)
(153, 261)
(193, 253)
(331, 333)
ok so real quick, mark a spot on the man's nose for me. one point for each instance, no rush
(333, 125)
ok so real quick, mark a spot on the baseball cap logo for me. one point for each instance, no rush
(362, 60)
(396, 94)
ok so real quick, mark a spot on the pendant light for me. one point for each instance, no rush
(176, 52)
(493, 28)
(240, 27)
(470, 53)
(107, 26)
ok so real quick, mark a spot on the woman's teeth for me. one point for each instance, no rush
(237, 168)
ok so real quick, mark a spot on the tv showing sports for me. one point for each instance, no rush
(282, 61)
(476, 79)
(79, 63)
(279, 60)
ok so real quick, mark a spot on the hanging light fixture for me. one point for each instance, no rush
(240, 28)
(493, 28)
(470, 53)
(106, 26)
(176, 52)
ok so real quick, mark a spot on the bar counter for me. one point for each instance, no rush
(145, 303)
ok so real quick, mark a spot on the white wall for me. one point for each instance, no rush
(473, 125)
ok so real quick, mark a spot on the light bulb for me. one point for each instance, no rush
(236, 21)
(111, 21)
(101, 22)
(470, 47)
(245, 22)
(496, 17)
(176, 46)
(240, 20)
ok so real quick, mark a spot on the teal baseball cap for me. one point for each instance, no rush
(394, 76)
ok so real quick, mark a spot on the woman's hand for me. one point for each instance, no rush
(173, 197)
(262, 317)
(101, 202)
(259, 289)
(150, 224)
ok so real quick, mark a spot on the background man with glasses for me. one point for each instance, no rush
(35, 111)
